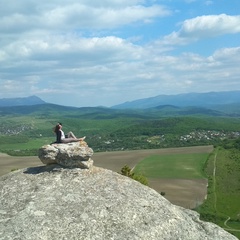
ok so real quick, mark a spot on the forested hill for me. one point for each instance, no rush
(46, 110)
(206, 100)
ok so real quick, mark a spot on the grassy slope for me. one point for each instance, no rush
(223, 200)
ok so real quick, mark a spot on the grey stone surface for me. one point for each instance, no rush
(51, 202)
(76, 154)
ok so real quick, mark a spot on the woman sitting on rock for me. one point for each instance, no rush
(62, 138)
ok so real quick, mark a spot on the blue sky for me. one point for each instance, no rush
(102, 53)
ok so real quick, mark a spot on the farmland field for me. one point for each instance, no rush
(183, 166)
(186, 192)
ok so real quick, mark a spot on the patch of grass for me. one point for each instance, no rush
(223, 190)
(29, 144)
(185, 166)
(28, 148)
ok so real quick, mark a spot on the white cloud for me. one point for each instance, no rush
(227, 55)
(75, 15)
(109, 82)
(212, 25)
(204, 27)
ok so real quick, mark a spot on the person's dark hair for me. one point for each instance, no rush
(57, 127)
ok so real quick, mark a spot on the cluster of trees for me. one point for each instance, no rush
(127, 171)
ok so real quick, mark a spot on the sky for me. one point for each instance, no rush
(86, 53)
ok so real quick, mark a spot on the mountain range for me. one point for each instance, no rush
(208, 100)
(211, 104)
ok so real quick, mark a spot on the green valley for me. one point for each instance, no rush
(24, 129)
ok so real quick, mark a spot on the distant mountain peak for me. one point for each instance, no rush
(21, 101)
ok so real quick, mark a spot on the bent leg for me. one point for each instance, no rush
(71, 135)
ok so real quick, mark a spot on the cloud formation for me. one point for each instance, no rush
(203, 27)
(90, 53)
(74, 15)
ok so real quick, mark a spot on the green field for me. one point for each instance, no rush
(185, 166)
(223, 203)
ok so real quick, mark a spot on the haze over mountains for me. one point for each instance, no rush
(181, 100)
(25, 101)
(210, 104)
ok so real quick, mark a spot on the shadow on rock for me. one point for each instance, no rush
(42, 169)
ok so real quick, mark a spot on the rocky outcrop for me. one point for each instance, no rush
(52, 202)
(72, 155)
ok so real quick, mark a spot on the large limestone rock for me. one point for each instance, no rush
(51, 202)
(76, 154)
